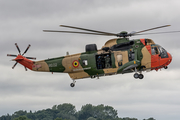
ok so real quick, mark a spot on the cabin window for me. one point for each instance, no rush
(103, 61)
(131, 55)
(85, 62)
(119, 60)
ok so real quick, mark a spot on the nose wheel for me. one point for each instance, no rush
(165, 67)
(140, 76)
(73, 84)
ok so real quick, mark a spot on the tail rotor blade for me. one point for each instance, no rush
(18, 48)
(31, 58)
(25, 68)
(11, 55)
(14, 65)
(26, 49)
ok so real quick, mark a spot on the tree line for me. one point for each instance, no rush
(68, 111)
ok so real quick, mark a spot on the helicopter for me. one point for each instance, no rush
(118, 56)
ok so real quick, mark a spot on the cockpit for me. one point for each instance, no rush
(156, 49)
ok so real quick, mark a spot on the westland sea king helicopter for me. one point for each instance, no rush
(117, 56)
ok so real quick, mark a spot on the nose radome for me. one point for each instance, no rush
(170, 58)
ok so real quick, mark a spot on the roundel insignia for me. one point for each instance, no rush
(75, 63)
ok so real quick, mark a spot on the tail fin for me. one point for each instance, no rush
(24, 61)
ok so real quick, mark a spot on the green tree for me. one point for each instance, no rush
(91, 118)
(127, 118)
(31, 115)
(19, 113)
(105, 112)
(99, 112)
(66, 111)
(22, 118)
(58, 119)
(67, 108)
(150, 119)
(85, 112)
(54, 107)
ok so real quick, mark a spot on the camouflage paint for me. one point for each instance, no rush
(75, 66)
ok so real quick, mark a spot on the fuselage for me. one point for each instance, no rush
(117, 56)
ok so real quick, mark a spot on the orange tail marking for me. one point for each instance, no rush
(24, 61)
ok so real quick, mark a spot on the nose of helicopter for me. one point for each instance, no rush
(170, 59)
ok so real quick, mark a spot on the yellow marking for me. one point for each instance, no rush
(134, 62)
(75, 63)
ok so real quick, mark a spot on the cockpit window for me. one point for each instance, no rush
(163, 52)
(154, 50)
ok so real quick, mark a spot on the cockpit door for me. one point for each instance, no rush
(155, 57)
(163, 55)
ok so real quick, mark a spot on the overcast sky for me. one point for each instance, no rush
(22, 22)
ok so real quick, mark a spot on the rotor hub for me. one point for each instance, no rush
(123, 34)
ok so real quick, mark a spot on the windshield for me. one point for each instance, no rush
(163, 52)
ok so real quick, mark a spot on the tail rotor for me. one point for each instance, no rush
(17, 59)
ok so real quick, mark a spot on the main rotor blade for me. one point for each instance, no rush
(151, 29)
(26, 49)
(158, 33)
(106, 34)
(87, 30)
(15, 65)
(11, 55)
(18, 48)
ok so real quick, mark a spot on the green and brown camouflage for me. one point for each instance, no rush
(65, 64)
(117, 56)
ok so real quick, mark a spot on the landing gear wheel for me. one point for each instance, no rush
(72, 84)
(165, 67)
(136, 75)
(141, 76)
(93, 76)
